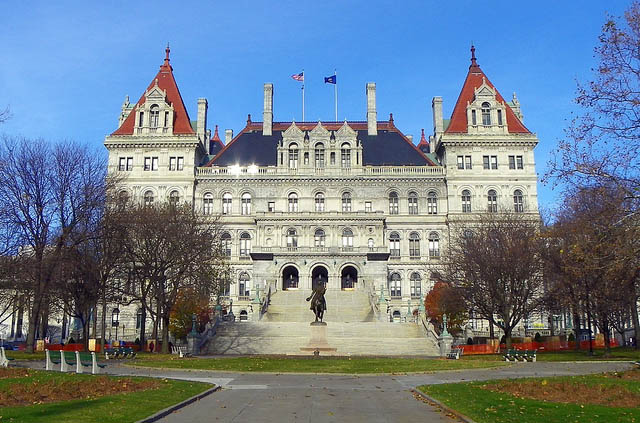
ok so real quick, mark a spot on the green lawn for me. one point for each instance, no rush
(486, 406)
(353, 365)
(22, 355)
(617, 354)
(119, 408)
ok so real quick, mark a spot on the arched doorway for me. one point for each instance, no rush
(348, 278)
(319, 274)
(289, 278)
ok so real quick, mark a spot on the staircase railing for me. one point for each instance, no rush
(428, 328)
(373, 298)
(209, 333)
(266, 300)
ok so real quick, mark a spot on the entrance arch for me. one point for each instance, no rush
(290, 278)
(348, 278)
(319, 274)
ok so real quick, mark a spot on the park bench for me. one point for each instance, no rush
(530, 355)
(119, 352)
(71, 358)
(180, 351)
(454, 354)
(510, 355)
(4, 360)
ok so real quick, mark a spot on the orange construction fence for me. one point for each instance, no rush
(552, 345)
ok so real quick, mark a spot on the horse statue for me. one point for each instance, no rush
(318, 302)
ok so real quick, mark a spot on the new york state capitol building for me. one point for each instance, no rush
(355, 204)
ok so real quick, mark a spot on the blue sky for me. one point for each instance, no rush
(67, 66)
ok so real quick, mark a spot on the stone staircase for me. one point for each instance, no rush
(351, 328)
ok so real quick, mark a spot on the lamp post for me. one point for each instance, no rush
(115, 319)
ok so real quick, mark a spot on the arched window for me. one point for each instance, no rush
(243, 285)
(432, 203)
(319, 155)
(370, 243)
(434, 244)
(319, 202)
(416, 285)
(245, 244)
(393, 202)
(394, 244)
(492, 201)
(293, 202)
(148, 198)
(518, 201)
(345, 155)
(154, 116)
(413, 203)
(227, 202)
(226, 244)
(414, 245)
(346, 202)
(207, 203)
(174, 198)
(395, 285)
(293, 156)
(246, 203)
(292, 238)
(347, 238)
(466, 201)
(318, 238)
(123, 198)
(486, 114)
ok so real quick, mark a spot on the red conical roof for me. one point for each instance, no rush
(423, 140)
(166, 82)
(475, 77)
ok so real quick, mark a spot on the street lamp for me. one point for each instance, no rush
(115, 319)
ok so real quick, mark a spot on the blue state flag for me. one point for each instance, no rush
(330, 79)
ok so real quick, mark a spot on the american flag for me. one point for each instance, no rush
(298, 76)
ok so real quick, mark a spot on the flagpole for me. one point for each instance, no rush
(303, 95)
(335, 91)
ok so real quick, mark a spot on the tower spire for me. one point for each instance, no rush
(166, 57)
(474, 63)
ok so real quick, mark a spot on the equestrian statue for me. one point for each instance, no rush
(318, 302)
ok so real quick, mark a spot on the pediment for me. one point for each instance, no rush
(319, 133)
(293, 132)
(484, 92)
(156, 93)
(346, 131)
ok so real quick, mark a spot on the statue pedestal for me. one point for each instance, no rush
(445, 342)
(318, 341)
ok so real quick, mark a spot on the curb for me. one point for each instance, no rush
(434, 401)
(163, 413)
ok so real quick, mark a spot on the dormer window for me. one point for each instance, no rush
(293, 156)
(473, 118)
(154, 116)
(500, 117)
(486, 114)
(141, 121)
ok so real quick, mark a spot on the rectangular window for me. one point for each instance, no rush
(154, 163)
(129, 163)
(494, 162)
(500, 117)
(271, 207)
(147, 163)
(333, 158)
(166, 119)
(367, 206)
(519, 162)
(473, 117)
(172, 163)
(306, 158)
(485, 162)
(345, 155)
(512, 162)
(414, 249)
(122, 164)
(141, 121)
(460, 162)
(467, 162)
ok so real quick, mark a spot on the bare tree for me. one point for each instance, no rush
(169, 249)
(5, 115)
(496, 264)
(46, 190)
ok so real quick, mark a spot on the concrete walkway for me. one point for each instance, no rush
(255, 397)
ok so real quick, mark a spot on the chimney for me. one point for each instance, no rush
(438, 124)
(201, 126)
(228, 136)
(372, 116)
(267, 114)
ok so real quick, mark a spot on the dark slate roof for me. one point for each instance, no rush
(389, 147)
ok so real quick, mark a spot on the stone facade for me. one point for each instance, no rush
(323, 200)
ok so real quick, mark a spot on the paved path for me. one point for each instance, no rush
(255, 397)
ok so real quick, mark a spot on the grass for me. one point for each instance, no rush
(352, 365)
(23, 355)
(617, 354)
(120, 408)
(486, 406)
